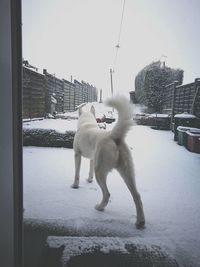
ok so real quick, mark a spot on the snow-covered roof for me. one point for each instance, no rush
(185, 128)
(185, 115)
(154, 115)
(195, 132)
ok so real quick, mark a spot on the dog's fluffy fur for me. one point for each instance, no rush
(107, 150)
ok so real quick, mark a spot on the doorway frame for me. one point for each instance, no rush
(11, 180)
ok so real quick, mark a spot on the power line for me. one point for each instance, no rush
(122, 17)
(119, 36)
(117, 48)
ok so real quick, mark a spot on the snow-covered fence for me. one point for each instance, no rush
(39, 90)
(78, 93)
(33, 94)
(92, 93)
(168, 97)
(54, 86)
(85, 91)
(182, 98)
(69, 89)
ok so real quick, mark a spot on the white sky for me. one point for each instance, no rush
(78, 38)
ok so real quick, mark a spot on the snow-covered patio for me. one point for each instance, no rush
(167, 177)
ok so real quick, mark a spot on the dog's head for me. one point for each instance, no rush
(86, 116)
(92, 111)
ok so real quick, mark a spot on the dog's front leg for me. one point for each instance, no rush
(91, 172)
(77, 158)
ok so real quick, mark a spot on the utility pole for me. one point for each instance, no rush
(111, 81)
(100, 100)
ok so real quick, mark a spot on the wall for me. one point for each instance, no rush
(33, 94)
(183, 98)
(69, 90)
(38, 89)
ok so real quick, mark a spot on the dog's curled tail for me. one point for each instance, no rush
(125, 116)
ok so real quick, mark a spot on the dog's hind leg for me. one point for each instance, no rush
(91, 171)
(77, 158)
(101, 180)
(126, 170)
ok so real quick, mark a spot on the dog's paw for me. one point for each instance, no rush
(140, 224)
(74, 186)
(89, 180)
(99, 208)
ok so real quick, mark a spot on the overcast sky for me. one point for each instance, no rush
(78, 38)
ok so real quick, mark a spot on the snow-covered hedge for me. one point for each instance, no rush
(47, 138)
(159, 121)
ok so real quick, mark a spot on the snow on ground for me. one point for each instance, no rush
(167, 177)
(61, 125)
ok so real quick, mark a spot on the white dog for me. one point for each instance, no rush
(107, 150)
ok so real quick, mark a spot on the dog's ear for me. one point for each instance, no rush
(80, 111)
(92, 110)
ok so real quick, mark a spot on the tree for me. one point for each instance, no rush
(151, 81)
